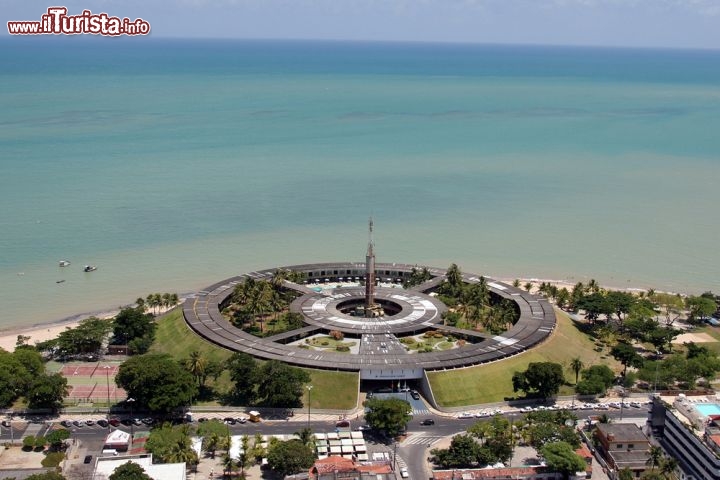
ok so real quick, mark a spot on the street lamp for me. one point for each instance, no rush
(309, 389)
(107, 380)
(130, 401)
(657, 364)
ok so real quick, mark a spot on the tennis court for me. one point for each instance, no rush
(91, 382)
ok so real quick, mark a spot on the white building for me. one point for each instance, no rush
(105, 466)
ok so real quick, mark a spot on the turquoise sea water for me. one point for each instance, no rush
(172, 164)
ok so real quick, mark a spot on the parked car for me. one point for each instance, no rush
(229, 420)
(90, 422)
(242, 419)
(102, 423)
(202, 419)
(137, 422)
(64, 423)
(148, 421)
(362, 428)
(88, 459)
(114, 422)
(77, 423)
(126, 421)
(414, 394)
(428, 421)
(466, 415)
(404, 472)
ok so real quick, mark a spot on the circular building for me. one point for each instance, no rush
(372, 307)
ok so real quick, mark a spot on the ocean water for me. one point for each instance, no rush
(171, 164)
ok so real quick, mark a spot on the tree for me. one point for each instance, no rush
(668, 465)
(156, 382)
(626, 474)
(654, 457)
(626, 354)
(49, 475)
(391, 415)
(47, 391)
(197, 365)
(132, 323)
(280, 385)
(290, 457)
(700, 307)
(57, 437)
(244, 373)
(463, 452)
(306, 436)
(229, 465)
(544, 378)
(576, 365)
(596, 380)
(129, 471)
(453, 275)
(560, 457)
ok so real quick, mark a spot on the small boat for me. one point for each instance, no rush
(89, 268)
(64, 263)
(60, 281)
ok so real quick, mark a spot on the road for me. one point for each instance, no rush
(412, 452)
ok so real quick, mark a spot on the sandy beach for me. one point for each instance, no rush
(37, 333)
(41, 333)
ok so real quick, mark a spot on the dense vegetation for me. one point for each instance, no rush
(22, 374)
(490, 441)
(473, 306)
(260, 307)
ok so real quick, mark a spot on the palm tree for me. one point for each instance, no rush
(174, 299)
(576, 365)
(210, 443)
(626, 474)
(516, 283)
(166, 300)
(527, 286)
(655, 455)
(604, 418)
(140, 303)
(229, 465)
(197, 366)
(454, 278)
(306, 436)
(668, 465)
(244, 455)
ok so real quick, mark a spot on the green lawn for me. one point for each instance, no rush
(175, 338)
(332, 390)
(492, 382)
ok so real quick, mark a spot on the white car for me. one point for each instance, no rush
(466, 415)
(404, 473)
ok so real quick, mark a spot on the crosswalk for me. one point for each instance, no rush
(421, 438)
(420, 411)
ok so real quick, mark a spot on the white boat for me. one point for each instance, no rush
(89, 268)
(64, 263)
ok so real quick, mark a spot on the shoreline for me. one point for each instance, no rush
(40, 332)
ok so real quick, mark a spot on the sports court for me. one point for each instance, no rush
(90, 382)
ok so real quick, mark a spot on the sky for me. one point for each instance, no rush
(629, 23)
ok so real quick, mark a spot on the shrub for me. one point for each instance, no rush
(438, 335)
(461, 343)
(53, 459)
(337, 335)
(325, 343)
(28, 443)
(428, 334)
(342, 348)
